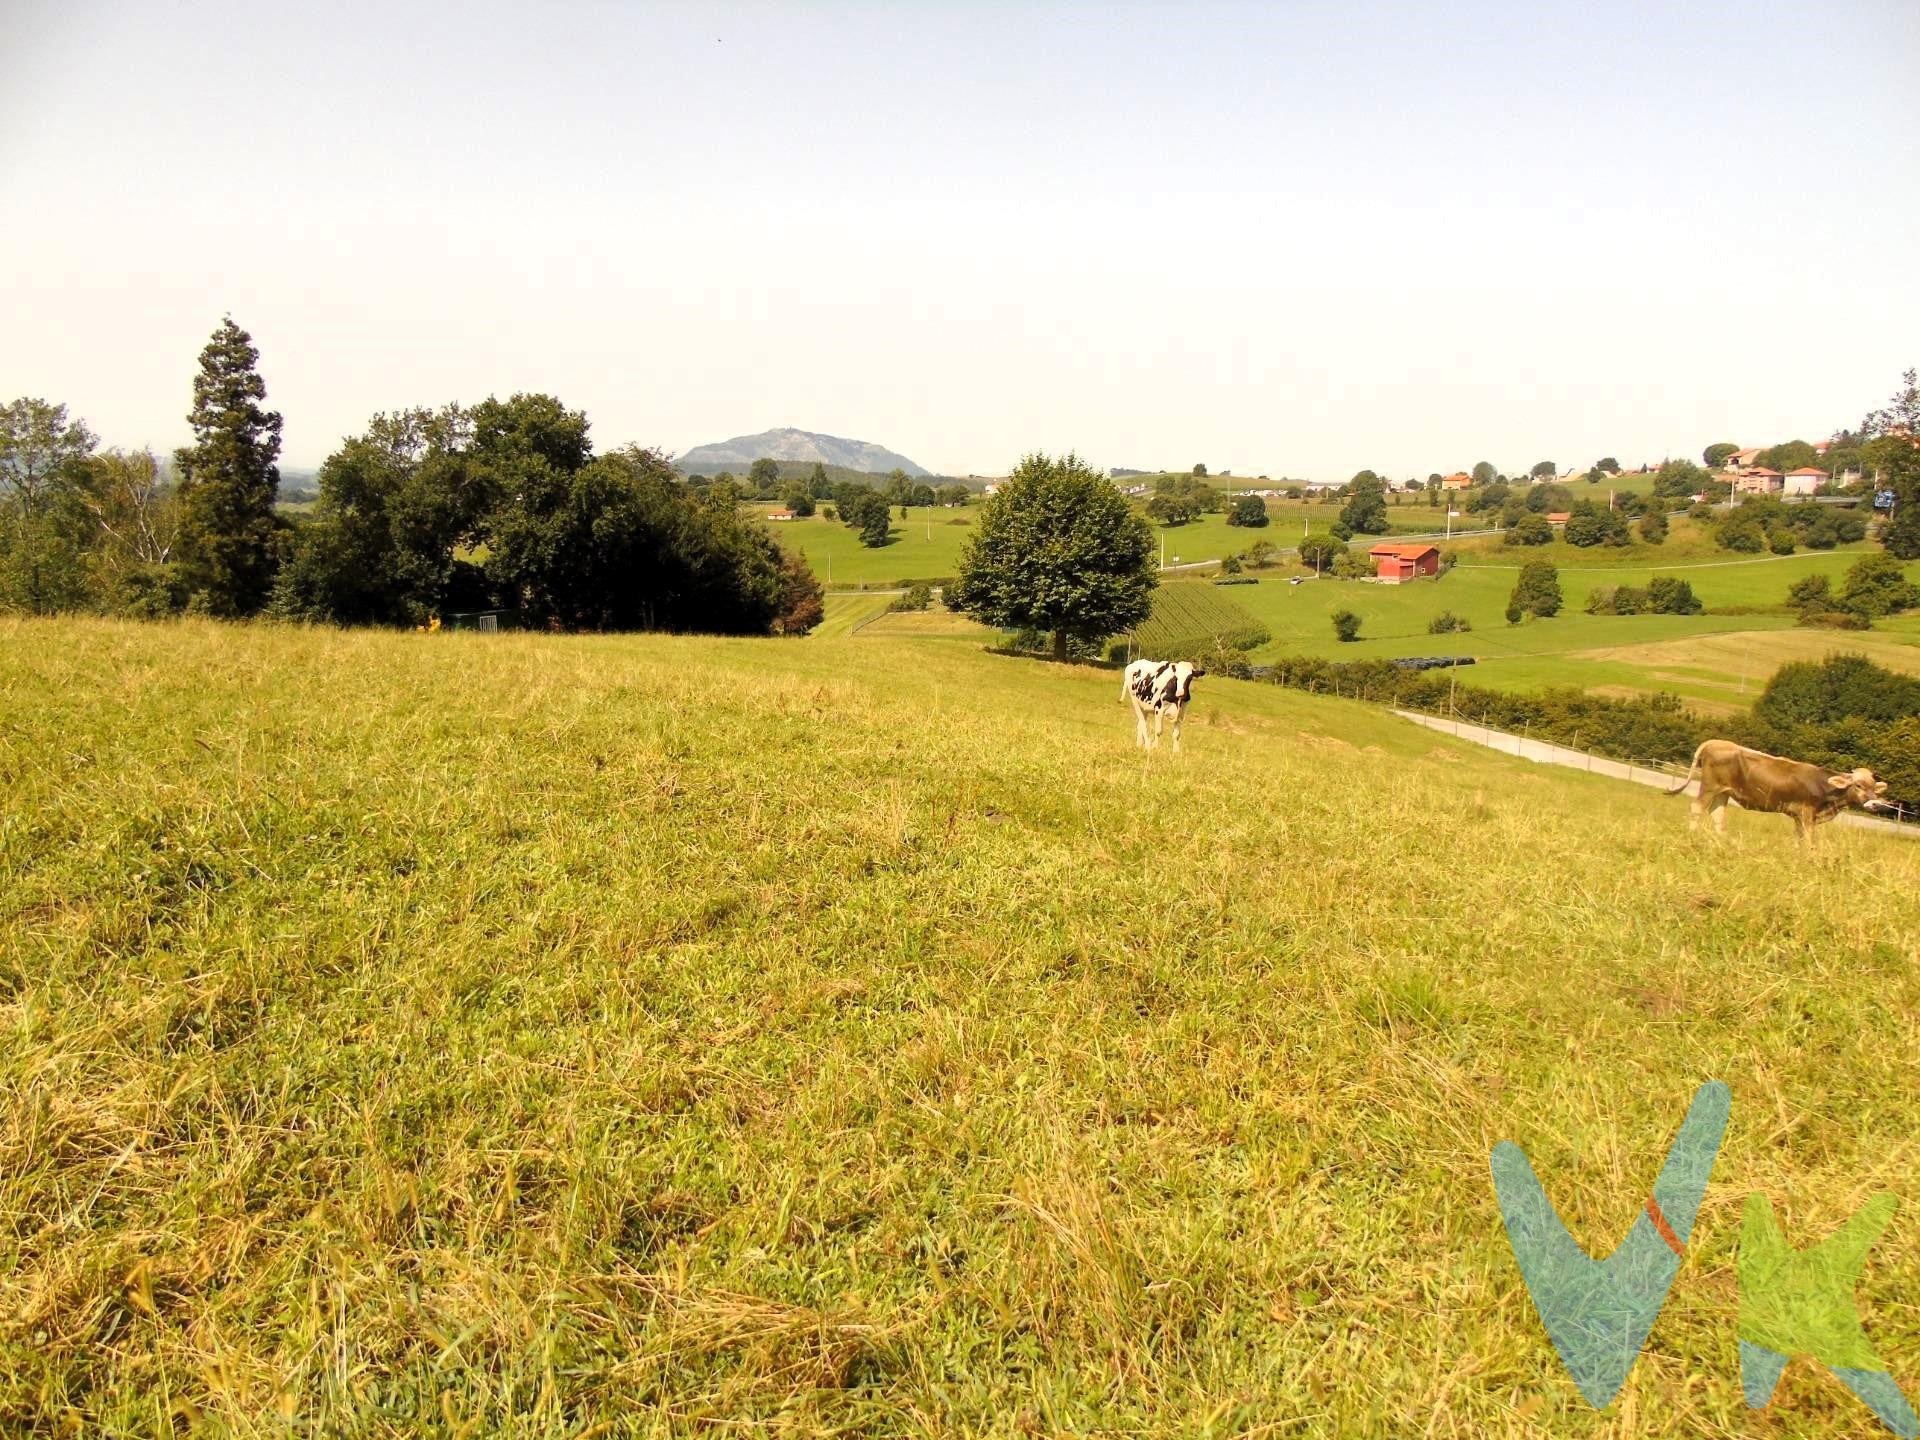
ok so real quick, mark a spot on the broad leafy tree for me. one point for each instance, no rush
(1484, 473)
(1544, 470)
(1716, 455)
(44, 529)
(1365, 512)
(1537, 591)
(137, 523)
(1892, 455)
(397, 506)
(802, 601)
(1058, 549)
(1677, 479)
(1249, 511)
(1793, 455)
(763, 477)
(1546, 499)
(228, 479)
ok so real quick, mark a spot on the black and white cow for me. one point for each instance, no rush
(1160, 688)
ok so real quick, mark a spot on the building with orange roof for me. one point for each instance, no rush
(1395, 563)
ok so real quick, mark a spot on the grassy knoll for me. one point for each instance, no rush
(628, 1036)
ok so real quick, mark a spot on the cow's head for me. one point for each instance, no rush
(1184, 674)
(1860, 788)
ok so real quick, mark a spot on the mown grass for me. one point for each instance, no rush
(639, 1036)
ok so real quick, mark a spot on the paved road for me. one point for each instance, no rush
(1540, 752)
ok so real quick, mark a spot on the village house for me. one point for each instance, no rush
(1559, 517)
(1459, 480)
(1804, 481)
(1741, 460)
(1759, 481)
(1395, 563)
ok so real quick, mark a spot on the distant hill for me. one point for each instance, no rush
(790, 444)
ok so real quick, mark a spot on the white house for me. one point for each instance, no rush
(1803, 481)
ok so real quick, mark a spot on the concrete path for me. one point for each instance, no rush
(1542, 753)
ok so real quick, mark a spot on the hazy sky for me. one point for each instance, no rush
(1292, 239)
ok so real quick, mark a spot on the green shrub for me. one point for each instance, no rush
(919, 596)
(1538, 589)
(1446, 623)
(1346, 625)
(1877, 585)
(1531, 529)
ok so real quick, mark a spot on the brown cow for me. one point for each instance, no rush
(1809, 793)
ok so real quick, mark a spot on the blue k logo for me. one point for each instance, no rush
(1598, 1312)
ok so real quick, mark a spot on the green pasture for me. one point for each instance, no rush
(656, 1036)
(926, 545)
(1562, 650)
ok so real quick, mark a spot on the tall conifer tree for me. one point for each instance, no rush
(228, 479)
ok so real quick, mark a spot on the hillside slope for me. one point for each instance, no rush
(790, 444)
(539, 1033)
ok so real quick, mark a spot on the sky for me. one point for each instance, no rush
(1284, 239)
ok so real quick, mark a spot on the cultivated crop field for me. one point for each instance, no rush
(1196, 615)
(650, 1036)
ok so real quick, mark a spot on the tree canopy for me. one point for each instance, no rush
(1057, 549)
(1537, 591)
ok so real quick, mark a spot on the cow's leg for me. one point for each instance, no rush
(1139, 725)
(1159, 726)
(1720, 815)
(1806, 823)
(1178, 712)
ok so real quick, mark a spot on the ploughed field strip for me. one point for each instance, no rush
(407, 1033)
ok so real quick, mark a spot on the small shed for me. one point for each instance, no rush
(780, 515)
(1404, 562)
(1559, 517)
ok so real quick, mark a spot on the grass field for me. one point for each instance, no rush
(1199, 614)
(659, 1036)
(927, 544)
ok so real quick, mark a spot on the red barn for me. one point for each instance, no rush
(1404, 562)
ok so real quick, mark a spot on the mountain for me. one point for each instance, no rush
(790, 444)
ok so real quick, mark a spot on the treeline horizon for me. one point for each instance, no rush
(503, 506)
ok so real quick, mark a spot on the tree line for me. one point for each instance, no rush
(503, 505)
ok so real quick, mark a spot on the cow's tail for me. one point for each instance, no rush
(1693, 770)
(1126, 686)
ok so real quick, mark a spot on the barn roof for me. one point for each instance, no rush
(1403, 552)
